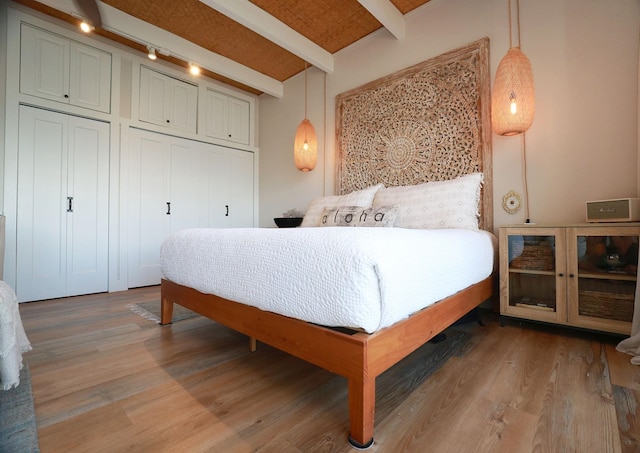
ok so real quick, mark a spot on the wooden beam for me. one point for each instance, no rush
(387, 14)
(261, 22)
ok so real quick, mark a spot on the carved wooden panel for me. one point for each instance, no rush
(429, 122)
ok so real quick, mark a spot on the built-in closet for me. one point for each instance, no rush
(106, 154)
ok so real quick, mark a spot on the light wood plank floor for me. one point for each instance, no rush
(107, 380)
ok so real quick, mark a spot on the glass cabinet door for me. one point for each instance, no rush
(533, 287)
(603, 266)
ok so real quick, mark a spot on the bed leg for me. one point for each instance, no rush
(253, 344)
(362, 403)
(166, 313)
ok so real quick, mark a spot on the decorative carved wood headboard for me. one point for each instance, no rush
(428, 122)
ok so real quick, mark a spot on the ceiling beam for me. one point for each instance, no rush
(261, 22)
(387, 14)
(129, 27)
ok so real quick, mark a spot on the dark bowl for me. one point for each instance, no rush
(288, 222)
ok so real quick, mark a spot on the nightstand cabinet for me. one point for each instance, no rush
(581, 275)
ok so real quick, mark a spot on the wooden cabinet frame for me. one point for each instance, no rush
(565, 274)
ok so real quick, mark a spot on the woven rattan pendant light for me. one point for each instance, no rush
(305, 148)
(513, 101)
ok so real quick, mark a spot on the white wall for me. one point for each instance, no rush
(583, 144)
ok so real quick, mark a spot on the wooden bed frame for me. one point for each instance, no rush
(357, 356)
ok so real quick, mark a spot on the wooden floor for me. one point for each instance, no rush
(107, 380)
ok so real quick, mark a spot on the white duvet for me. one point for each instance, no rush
(365, 278)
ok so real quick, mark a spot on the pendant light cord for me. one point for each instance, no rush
(524, 135)
(510, 31)
(517, 20)
(524, 178)
(305, 90)
(524, 140)
(324, 138)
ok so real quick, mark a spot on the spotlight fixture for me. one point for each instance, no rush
(151, 53)
(194, 68)
(86, 27)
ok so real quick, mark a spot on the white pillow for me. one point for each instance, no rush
(438, 204)
(360, 198)
(354, 216)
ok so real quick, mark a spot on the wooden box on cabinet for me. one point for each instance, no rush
(581, 275)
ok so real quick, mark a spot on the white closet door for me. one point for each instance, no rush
(90, 77)
(219, 202)
(42, 194)
(167, 101)
(62, 205)
(87, 224)
(184, 105)
(188, 185)
(44, 64)
(216, 114)
(149, 214)
(241, 189)
(230, 187)
(238, 120)
(154, 105)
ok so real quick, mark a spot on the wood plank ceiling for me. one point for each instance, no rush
(254, 45)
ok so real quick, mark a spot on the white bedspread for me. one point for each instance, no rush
(366, 278)
(13, 339)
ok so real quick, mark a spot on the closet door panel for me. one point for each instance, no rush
(44, 64)
(149, 214)
(219, 186)
(88, 176)
(188, 186)
(217, 119)
(167, 101)
(238, 120)
(230, 187)
(242, 189)
(41, 215)
(154, 105)
(184, 105)
(90, 77)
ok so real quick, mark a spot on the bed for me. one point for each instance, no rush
(430, 205)
(353, 300)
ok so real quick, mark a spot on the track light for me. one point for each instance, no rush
(194, 68)
(86, 27)
(151, 53)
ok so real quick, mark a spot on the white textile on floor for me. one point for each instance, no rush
(631, 345)
(13, 339)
